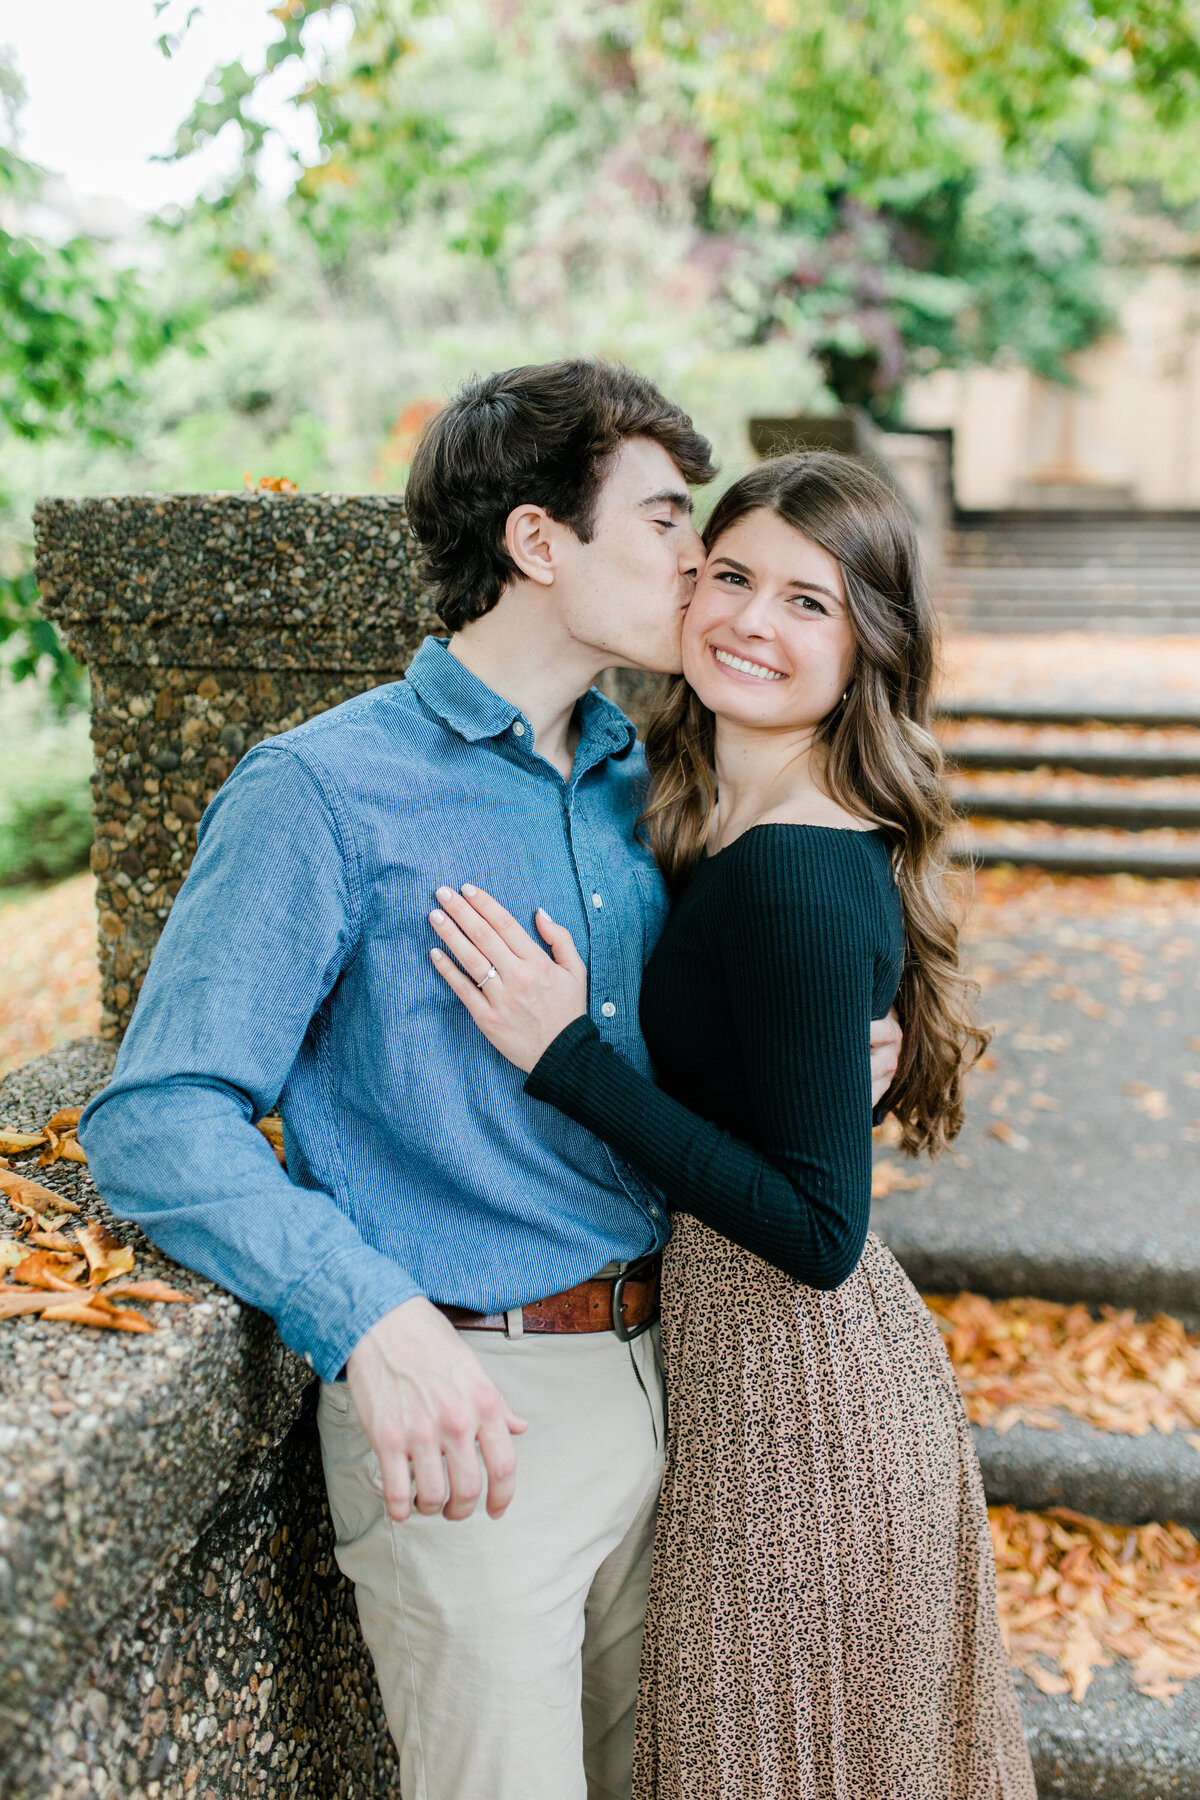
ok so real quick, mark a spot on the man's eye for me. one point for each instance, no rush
(669, 523)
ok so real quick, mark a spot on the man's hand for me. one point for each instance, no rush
(886, 1039)
(423, 1399)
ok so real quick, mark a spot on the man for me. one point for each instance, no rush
(451, 1245)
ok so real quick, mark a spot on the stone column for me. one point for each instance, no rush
(208, 622)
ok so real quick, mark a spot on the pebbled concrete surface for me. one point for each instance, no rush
(115, 1451)
(1127, 1480)
(1116, 1745)
(1077, 1175)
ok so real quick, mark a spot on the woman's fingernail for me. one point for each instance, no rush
(436, 955)
(437, 916)
(444, 893)
(468, 889)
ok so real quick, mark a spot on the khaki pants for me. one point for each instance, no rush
(507, 1650)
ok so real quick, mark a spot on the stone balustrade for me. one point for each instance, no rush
(174, 1626)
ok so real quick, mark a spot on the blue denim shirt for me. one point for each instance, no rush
(294, 970)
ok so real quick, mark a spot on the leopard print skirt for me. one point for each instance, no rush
(822, 1621)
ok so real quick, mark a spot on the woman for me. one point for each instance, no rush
(822, 1621)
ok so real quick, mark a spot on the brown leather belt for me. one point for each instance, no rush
(626, 1304)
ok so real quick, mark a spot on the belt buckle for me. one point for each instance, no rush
(618, 1300)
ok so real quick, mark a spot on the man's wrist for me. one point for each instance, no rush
(333, 1310)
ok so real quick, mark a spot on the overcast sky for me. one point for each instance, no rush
(102, 99)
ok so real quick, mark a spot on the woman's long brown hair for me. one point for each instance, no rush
(876, 756)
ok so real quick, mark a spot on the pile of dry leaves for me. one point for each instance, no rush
(1075, 1594)
(1016, 1360)
(58, 1273)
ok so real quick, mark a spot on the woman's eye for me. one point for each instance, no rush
(807, 600)
(728, 575)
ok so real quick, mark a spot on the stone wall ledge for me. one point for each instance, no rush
(253, 581)
(116, 1451)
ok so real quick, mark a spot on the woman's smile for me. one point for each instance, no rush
(742, 666)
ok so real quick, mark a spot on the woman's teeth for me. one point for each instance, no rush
(747, 668)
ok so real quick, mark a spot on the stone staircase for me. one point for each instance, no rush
(1085, 571)
(1075, 793)
(1075, 1180)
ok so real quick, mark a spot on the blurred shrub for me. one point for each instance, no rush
(46, 832)
(32, 648)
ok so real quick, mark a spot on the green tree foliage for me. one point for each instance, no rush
(74, 333)
(892, 188)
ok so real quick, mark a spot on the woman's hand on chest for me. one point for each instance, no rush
(520, 997)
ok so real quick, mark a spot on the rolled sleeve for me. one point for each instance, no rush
(257, 938)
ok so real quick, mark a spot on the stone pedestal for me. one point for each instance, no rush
(208, 622)
(172, 1622)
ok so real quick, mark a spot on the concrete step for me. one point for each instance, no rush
(1003, 624)
(1074, 849)
(1125, 540)
(1111, 759)
(1024, 571)
(1132, 806)
(1038, 713)
(1116, 1744)
(1125, 1480)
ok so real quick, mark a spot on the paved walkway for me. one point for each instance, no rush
(1067, 668)
(49, 985)
(1075, 1176)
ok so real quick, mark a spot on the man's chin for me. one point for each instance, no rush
(662, 660)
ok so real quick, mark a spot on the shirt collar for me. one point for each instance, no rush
(474, 711)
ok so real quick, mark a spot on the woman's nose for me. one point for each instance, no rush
(752, 619)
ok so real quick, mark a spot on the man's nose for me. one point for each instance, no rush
(691, 556)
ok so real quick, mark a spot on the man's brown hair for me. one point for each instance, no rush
(544, 435)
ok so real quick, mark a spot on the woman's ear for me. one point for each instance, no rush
(529, 538)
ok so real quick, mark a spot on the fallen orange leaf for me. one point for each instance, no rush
(886, 1179)
(14, 1300)
(52, 1240)
(272, 1129)
(107, 1256)
(147, 1290)
(1008, 1134)
(28, 1196)
(12, 1253)
(65, 1120)
(95, 1310)
(16, 1143)
(48, 1269)
(59, 1146)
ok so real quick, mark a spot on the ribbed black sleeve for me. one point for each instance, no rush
(794, 940)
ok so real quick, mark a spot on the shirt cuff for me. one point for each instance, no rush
(330, 1312)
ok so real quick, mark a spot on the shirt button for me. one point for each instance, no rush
(596, 900)
(518, 729)
(609, 1010)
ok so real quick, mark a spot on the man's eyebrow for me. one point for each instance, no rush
(815, 587)
(669, 497)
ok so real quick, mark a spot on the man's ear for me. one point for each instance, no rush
(529, 537)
